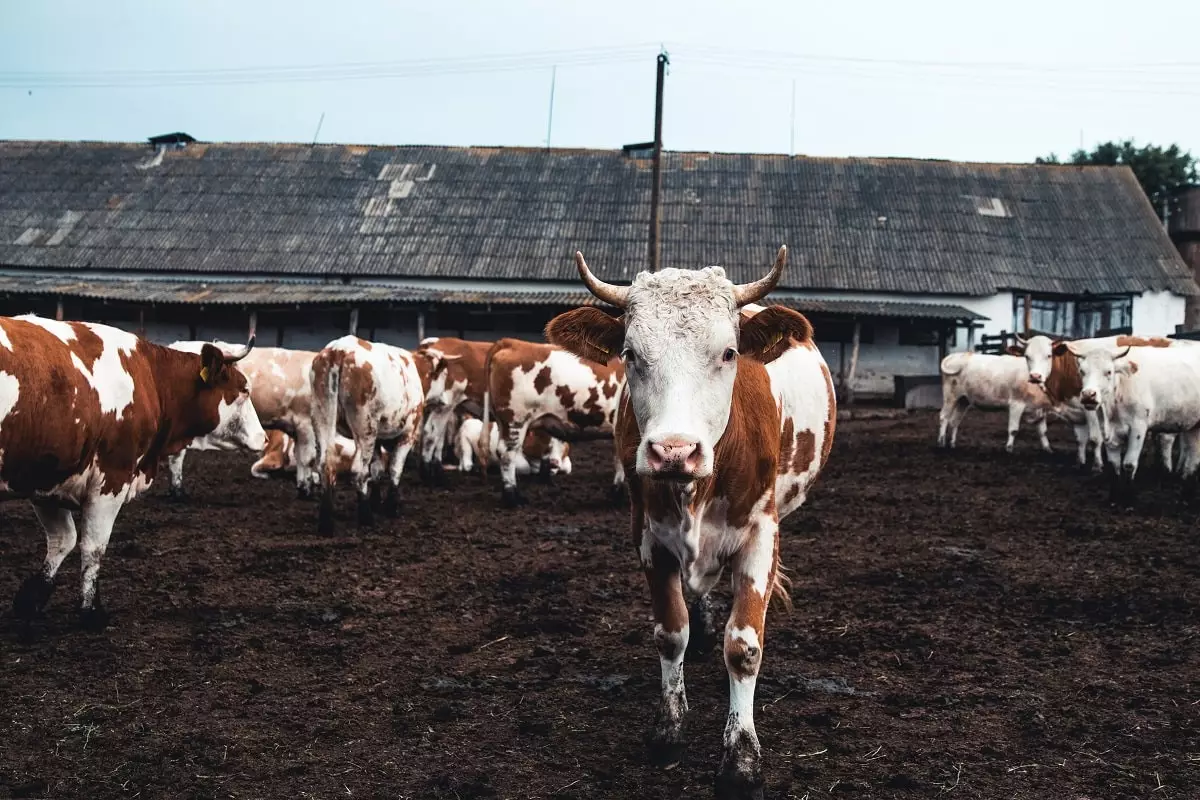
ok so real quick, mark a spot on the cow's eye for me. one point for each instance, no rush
(629, 355)
(729, 355)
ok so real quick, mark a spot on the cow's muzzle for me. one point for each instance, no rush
(674, 458)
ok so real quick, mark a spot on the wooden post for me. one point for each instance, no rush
(58, 310)
(354, 322)
(420, 326)
(943, 338)
(1028, 312)
(279, 335)
(848, 388)
(141, 330)
(971, 336)
(253, 332)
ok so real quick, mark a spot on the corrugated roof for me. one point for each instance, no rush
(869, 225)
(289, 293)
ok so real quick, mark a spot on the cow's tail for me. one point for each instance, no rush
(327, 390)
(952, 364)
(483, 448)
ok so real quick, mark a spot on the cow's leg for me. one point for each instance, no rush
(1098, 435)
(395, 470)
(1112, 451)
(308, 481)
(1043, 439)
(954, 418)
(666, 738)
(618, 492)
(1166, 452)
(702, 628)
(365, 446)
(35, 592)
(433, 442)
(944, 421)
(1016, 410)
(754, 575)
(513, 436)
(175, 475)
(96, 521)
(1081, 442)
(1133, 455)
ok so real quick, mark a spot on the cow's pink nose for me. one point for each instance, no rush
(674, 455)
(1035, 377)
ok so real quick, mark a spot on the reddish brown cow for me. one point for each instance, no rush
(528, 381)
(86, 412)
(459, 380)
(726, 420)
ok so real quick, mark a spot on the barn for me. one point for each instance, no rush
(896, 261)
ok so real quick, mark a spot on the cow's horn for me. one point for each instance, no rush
(233, 359)
(1021, 340)
(1124, 353)
(613, 295)
(744, 293)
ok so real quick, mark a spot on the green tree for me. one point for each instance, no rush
(1160, 170)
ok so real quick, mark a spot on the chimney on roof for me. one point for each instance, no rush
(178, 139)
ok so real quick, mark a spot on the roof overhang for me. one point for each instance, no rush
(283, 293)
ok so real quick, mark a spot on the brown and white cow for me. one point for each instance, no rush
(1053, 364)
(279, 456)
(540, 454)
(527, 381)
(86, 412)
(459, 379)
(725, 422)
(281, 391)
(373, 394)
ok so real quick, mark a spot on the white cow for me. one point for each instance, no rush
(1142, 390)
(1055, 367)
(993, 383)
(538, 445)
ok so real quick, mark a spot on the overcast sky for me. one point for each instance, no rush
(983, 81)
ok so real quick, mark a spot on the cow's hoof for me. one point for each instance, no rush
(177, 495)
(376, 498)
(739, 785)
(666, 751)
(392, 507)
(325, 518)
(304, 493)
(32, 597)
(366, 514)
(93, 619)
(511, 498)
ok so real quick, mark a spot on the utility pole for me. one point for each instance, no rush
(550, 121)
(656, 187)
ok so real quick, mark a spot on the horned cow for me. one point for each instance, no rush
(992, 383)
(86, 413)
(726, 420)
(459, 383)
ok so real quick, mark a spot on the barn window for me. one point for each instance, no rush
(919, 333)
(1075, 317)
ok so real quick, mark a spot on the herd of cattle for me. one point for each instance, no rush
(1114, 391)
(722, 414)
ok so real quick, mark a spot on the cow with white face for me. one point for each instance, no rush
(726, 419)
(1054, 366)
(1141, 391)
(993, 383)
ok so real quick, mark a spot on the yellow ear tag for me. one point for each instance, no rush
(204, 374)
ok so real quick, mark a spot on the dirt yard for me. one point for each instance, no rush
(974, 625)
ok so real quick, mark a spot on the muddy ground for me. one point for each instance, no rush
(974, 625)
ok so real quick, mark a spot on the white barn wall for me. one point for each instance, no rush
(1157, 313)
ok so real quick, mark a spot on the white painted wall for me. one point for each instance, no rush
(1157, 313)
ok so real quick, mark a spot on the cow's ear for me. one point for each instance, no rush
(212, 361)
(587, 332)
(1126, 367)
(768, 334)
(1015, 350)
